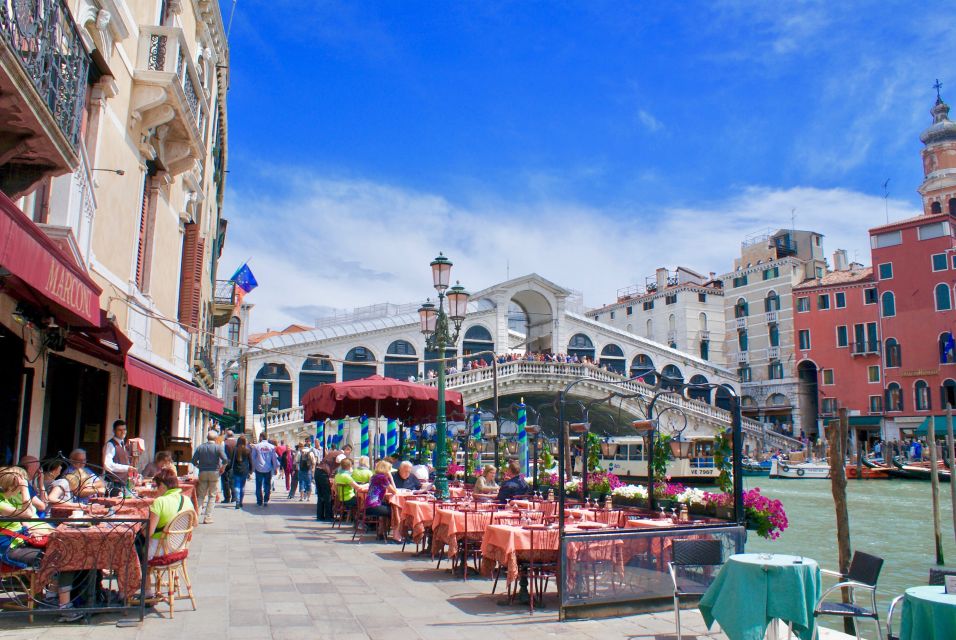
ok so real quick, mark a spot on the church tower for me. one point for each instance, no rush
(939, 161)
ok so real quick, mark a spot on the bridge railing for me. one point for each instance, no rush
(284, 417)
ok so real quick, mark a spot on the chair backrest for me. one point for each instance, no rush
(476, 521)
(697, 552)
(937, 577)
(178, 532)
(613, 517)
(865, 568)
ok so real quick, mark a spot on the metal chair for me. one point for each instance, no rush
(937, 577)
(363, 520)
(470, 542)
(863, 574)
(889, 619)
(692, 569)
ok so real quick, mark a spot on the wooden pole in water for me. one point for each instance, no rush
(859, 454)
(951, 447)
(836, 436)
(934, 487)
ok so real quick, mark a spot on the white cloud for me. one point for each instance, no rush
(650, 123)
(338, 243)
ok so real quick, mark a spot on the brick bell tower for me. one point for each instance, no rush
(939, 160)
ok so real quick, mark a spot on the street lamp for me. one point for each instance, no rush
(265, 401)
(439, 335)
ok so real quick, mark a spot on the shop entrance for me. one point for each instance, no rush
(75, 415)
(14, 412)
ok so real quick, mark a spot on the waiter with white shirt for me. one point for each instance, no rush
(116, 460)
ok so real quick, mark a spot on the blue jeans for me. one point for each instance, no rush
(238, 487)
(305, 482)
(263, 486)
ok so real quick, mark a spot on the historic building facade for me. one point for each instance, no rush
(115, 194)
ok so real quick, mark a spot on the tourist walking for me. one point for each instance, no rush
(324, 472)
(265, 463)
(208, 458)
(305, 468)
(241, 467)
(282, 453)
(116, 461)
(225, 480)
(289, 468)
(295, 473)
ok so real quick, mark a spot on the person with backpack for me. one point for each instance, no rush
(305, 467)
(294, 466)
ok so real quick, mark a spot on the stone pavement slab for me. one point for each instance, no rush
(274, 572)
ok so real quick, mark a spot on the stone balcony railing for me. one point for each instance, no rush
(773, 353)
(741, 323)
(772, 316)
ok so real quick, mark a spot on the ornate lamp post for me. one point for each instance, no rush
(265, 402)
(439, 335)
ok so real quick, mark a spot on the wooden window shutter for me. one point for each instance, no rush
(190, 280)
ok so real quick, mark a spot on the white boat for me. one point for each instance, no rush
(625, 457)
(802, 470)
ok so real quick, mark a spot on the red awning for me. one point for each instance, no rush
(105, 342)
(149, 378)
(42, 273)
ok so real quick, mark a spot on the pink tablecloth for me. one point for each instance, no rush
(416, 517)
(450, 524)
(456, 492)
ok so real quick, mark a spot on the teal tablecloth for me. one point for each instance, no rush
(928, 614)
(749, 592)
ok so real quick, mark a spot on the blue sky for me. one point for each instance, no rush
(367, 136)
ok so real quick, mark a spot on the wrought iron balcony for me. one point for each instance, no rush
(169, 98)
(223, 302)
(43, 71)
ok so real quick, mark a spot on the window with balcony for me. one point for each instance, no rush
(742, 339)
(774, 333)
(943, 297)
(876, 404)
(947, 348)
(886, 271)
(771, 302)
(740, 281)
(744, 373)
(888, 303)
(827, 375)
(869, 295)
(893, 355)
(804, 338)
(939, 262)
(873, 373)
(741, 309)
(823, 302)
(894, 397)
(842, 336)
(775, 371)
(921, 393)
(803, 304)
(839, 299)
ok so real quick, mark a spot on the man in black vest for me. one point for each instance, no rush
(116, 460)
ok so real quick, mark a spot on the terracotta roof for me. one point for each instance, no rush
(256, 338)
(924, 218)
(835, 278)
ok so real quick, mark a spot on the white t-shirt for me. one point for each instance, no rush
(63, 484)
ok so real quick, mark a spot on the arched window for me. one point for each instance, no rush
(777, 400)
(921, 392)
(702, 321)
(353, 368)
(936, 207)
(642, 365)
(893, 353)
(774, 333)
(748, 402)
(649, 330)
(947, 348)
(772, 302)
(699, 394)
(952, 206)
(672, 322)
(944, 300)
(581, 346)
(948, 394)
(705, 349)
(477, 339)
(613, 356)
(671, 377)
(235, 331)
(894, 397)
(741, 309)
(401, 360)
(316, 370)
(722, 397)
(888, 302)
(280, 386)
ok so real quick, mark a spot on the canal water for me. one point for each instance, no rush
(892, 519)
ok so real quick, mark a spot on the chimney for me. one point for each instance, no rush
(840, 262)
(661, 278)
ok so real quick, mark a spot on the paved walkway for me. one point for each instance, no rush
(275, 572)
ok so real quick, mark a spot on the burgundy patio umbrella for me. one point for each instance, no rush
(379, 396)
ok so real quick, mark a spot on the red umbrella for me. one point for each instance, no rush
(378, 396)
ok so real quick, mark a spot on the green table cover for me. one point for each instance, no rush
(928, 614)
(749, 592)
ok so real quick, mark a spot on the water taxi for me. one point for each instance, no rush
(799, 470)
(692, 463)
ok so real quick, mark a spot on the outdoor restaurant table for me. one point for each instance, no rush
(928, 614)
(750, 591)
(456, 492)
(416, 516)
(188, 489)
(105, 545)
(398, 500)
(449, 524)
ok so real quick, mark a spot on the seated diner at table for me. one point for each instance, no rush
(19, 540)
(163, 459)
(404, 479)
(361, 472)
(170, 503)
(31, 467)
(345, 484)
(485, 483)
(379, 488)
(89, 484)
(514, 484)
(57, 486)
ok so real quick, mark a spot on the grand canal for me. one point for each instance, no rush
(888, 518)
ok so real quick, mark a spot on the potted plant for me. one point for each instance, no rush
(764, 515)
(601, 483)
(666, 493)
(629, 495)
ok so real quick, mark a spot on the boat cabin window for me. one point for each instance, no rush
(621, 452)
(636, 452)
(704, 449)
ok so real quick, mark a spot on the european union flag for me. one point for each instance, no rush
(244, 279)
(948, 352)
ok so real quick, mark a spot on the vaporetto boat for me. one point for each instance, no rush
(799, 470)
(625, 457)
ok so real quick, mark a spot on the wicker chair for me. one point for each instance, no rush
(692, 570)
(363, 519)
(169, 565)
(862, 576)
